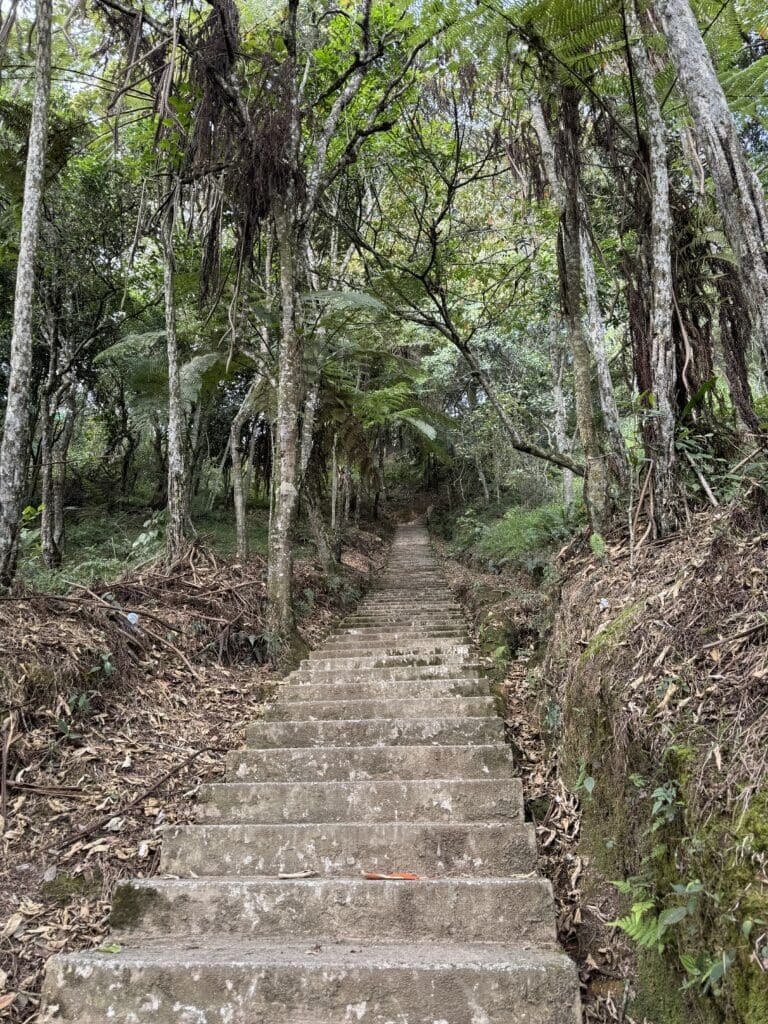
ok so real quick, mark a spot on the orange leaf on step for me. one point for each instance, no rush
(402, 876)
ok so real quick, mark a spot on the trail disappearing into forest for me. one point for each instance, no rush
(382, 756)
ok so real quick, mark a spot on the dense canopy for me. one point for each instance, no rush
(265, 252)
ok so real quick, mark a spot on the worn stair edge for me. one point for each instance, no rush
(345, 849)
(463, 909)
(383, 707)
(457, 800)
(319, 982)
(337, 764)
(368, 732)
(400, 689)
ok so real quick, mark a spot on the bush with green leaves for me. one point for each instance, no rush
(522, 534)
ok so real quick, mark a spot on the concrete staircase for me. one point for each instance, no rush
(384, 754)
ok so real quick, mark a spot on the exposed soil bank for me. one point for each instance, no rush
(655, 692)
(641, 733)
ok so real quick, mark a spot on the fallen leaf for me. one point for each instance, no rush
(401, 876)
(12, 925)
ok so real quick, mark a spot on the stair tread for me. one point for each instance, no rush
(428, 955)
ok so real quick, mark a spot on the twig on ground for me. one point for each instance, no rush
(94, 826)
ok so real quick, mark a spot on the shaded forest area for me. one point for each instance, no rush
(273, 273)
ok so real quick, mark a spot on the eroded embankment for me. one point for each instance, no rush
(640, 729)
(655, 686)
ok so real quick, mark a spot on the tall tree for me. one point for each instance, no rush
(179, 528)
(659, 426)
(740, 197)
(14, 449)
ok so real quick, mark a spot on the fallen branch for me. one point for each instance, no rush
(736, 636)
(702, 480)
(94, 826)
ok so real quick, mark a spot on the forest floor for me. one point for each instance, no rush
(119, 700)
(103, 544)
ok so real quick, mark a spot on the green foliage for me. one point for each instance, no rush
(597, 546)
(646, 924)
(523, 533)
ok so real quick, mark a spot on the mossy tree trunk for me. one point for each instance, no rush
(14, 448)
(659, 426)
(179, 529)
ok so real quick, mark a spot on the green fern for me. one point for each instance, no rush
(641, 924)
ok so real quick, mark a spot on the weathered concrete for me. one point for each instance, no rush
(316, 983)
(396, 708)
(373, 732)
(382, 753)
(362, 675)
(467, 909)
(336, 764)
(456, 800)
(375, 689)
(431, 848)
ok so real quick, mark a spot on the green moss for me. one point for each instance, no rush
(611, 634)
(65, 887)
(660, 998)
(749, 997)
(129, 904)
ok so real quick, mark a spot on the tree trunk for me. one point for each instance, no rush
(570, 202)
(605, 391)
(239, 492)
(659, 427)
(61, 453)
(596, 495)
(57, 426)
(334, 483)
(279, 582)
(740, 198)
(49, 552)
(319, 531)
(179, 529)
(250, 471)
(557, 361)
(14, 448)
(481, 477)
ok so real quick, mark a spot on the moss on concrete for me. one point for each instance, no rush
(129, 905)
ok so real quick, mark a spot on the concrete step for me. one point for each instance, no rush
(457, 800)
(356, 648)
(415, 707)
(433, 626)
(445, 909)
(416, 659)
(337, 764)
(345, 849)
(315, 982)
(414, 616)
(426, 600)
(395, 634)
(465, 671)
(375, 732)
(376, 689)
